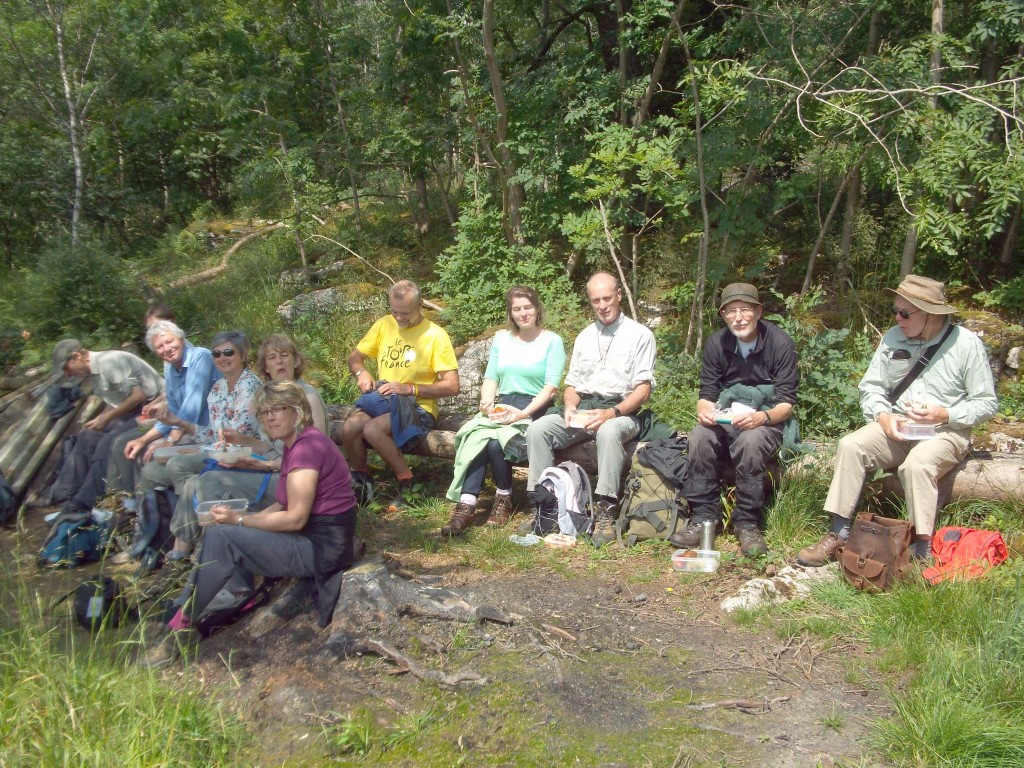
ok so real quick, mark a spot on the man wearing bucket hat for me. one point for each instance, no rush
(750, 368)
(953, 391)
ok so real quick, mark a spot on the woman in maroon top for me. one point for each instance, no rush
(307, 533)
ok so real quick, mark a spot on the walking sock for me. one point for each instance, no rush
(841, 526)
(468, 498)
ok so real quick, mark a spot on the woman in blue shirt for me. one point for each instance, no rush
(523, 373)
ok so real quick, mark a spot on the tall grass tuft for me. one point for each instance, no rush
(69, 699)
(795, 517)
(966, 642)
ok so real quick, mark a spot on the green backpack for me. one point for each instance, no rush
(651, 508)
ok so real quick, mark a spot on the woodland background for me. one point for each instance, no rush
(819, 149)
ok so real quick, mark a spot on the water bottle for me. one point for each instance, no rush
(707, 535)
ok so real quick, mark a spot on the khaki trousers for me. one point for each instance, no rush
(921, 463)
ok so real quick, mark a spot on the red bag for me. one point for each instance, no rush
(964, 553)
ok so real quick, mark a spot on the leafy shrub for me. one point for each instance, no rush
(831, 364)
(86, 292)
(475, 273)
(1005, 297)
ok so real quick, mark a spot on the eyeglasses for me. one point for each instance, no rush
(225, 352)
(274, 410)
(904, 313)
(739, 311)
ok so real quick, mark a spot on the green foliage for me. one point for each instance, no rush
(1006, 297)
(1011, 399)
(831, 363)
(965, 639)
(481, 266)
(86, 292)
(71, 699)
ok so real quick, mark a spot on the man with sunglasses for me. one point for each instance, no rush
(125, 382)
(954, 391)
(750, 368)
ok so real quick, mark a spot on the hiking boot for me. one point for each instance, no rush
(688, 537)
(461, 519)
(502, 510)
(605, 513)
(821, 553)
(174, 645)
(752, 543)
(400, 500)
(362, 486)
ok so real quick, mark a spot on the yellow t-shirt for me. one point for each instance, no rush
(409, 355)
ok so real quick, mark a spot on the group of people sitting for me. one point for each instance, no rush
(303, 493)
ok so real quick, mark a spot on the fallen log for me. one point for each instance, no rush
(212, 272)
(8, 399)
(982, 475)
(9, 383)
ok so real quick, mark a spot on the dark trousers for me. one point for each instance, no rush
(492, 456)
(748, 451)
(85, 481)
(232, 553)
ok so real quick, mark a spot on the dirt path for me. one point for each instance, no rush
(609, 662)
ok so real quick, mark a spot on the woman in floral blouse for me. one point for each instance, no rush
(230, 406)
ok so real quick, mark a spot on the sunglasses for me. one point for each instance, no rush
(226, 352)
(904, 313)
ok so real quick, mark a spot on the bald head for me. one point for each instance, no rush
(605, 297)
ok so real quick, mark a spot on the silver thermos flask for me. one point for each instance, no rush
(707, 535)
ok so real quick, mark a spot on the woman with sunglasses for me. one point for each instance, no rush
(307, 533)
(230, 406)
(254, 478)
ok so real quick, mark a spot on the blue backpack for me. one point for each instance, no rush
(73, 542)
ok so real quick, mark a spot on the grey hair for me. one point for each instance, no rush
(405, 289)
(161, 327)
(236, 339)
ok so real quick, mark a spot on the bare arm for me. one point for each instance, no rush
(135, 398)
(364, 380)
(301, 493)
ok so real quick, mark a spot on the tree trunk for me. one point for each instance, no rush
(823, 231)
(513, 194)
(73, 124)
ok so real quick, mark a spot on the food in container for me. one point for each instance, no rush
(696, 560)
(206, 517)
(579, 419)
(915, 431)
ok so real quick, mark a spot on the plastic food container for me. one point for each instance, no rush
(206, 518)
(229, 454)
(559, 541)
(915, 431)
(163, 455)
(579, 419)
(696, 560)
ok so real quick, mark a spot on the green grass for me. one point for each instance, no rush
(73, 699)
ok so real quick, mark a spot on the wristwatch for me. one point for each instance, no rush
(616, 411)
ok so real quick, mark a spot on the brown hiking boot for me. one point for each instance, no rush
(688, 537)
(752, 543)
(821, 553)
(461, 519)
(502, 510)
(174, 645)
(605, 514)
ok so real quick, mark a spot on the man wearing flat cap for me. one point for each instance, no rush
(125, 382)
(951, 389)
(748, 382)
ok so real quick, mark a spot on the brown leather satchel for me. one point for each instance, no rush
(877, 552)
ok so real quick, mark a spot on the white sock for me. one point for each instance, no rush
(468, 498)
(502, 492)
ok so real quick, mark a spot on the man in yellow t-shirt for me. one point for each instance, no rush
(416, 365)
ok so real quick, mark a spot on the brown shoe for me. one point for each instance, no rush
(821, 553)
(752, 543)
(688, 537)
(461, 519)
(502, 510)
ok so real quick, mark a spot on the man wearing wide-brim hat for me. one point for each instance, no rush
(953, 392)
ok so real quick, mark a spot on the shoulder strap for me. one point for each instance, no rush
(919, 366)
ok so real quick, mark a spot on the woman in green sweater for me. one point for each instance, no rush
(523, 373)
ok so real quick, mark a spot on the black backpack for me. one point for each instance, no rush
(100, 603)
